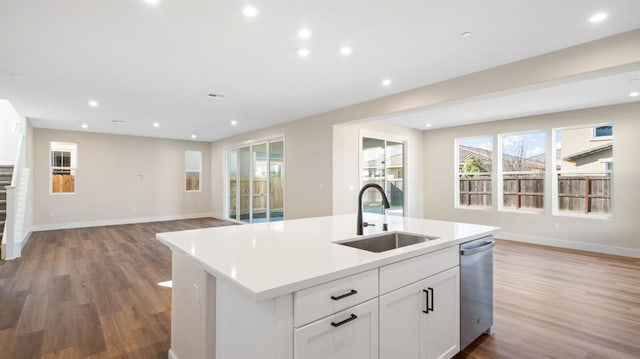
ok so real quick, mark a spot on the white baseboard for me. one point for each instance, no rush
(554, 242)
(113, 222)
(172, 355)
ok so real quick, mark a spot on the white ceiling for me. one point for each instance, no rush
(147, 64)
(598, 90)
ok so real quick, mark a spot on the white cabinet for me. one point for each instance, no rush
(349, 334)
(422, 320)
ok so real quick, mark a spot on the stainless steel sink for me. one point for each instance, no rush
(386, 241)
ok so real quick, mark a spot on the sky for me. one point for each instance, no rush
(533, 143)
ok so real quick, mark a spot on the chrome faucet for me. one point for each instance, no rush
(385, 203)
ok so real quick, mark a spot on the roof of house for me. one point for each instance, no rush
(588, 151)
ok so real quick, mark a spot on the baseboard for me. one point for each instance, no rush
(114, 222)
(554, 242)
(172, 355)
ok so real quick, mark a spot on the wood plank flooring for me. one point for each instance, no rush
(93, 293)
(557, 303)
(90, 293)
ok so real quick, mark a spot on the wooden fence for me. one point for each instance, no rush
(259, 195)
(63, 183)
(192, 182)
(578, 194)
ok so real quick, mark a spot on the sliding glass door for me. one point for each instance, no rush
(383, 164)
(255, 182)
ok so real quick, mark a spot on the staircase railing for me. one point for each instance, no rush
(16, 201)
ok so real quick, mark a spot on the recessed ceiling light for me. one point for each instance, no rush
(428, 125)
(216, 95)
(234, 122)
(84, 125)
(152, 2)
(634, 80)
(634, 94)
(93, 103)
(598, 17)
(250, 11)
(304, 33)
(303, 52)
(15, 76)
(346, 50)
(156, 125)
(193, 136)
(386, 82)
(466, 35)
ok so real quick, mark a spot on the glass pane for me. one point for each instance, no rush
(63, 167)
(276, 181)
(260, 178)
(584, 184)
(244, 164)
(373, 171)
(523, 152)
(232, 177)
(192, 168)
(474, 166)
(394, 161)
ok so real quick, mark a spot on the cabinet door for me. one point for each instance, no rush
(443, 320)
(350, 334)
(406, 331)
(402, 322)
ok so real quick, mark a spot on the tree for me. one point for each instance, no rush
(473, 164)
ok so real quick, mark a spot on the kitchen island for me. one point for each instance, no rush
(288, 290)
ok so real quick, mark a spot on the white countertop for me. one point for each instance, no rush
(267, 260)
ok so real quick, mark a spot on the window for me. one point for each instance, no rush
(63, 165)
(603, 132)
(383, 164)
(474, 165)
(583, 169)
(522, 170)
(192, 170)
(255, 182)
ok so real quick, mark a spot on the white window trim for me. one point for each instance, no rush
(457, 173)
(593, 132)
(73, 170)
(555, 210)
(199, 172)
(500, 174)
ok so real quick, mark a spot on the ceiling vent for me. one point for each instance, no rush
(216, 95)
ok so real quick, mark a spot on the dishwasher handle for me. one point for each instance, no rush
(486, 246)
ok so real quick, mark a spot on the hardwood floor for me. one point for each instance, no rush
(93, 293)
(90, 293)
(557, 303)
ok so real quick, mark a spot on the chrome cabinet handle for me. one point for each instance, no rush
(352, 317)
(350, 293)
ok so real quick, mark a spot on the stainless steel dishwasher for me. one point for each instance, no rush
(476, 289)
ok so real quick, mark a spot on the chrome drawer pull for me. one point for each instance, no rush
(352, 317)
(352, 292)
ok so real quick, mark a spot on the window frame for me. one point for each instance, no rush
(405, 172)
(187, 170)
(73, 160)
(458, 173)
(555, 173)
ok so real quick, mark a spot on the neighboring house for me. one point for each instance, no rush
(512, 163)
(587, 149)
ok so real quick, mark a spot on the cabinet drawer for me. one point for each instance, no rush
(316, 302)
(396, 275)
(352, 333)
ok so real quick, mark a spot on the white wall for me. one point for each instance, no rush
(618, 235)
(119, 179)
(8, 139)
(307, 167)
(309, 141)
(346, 162)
